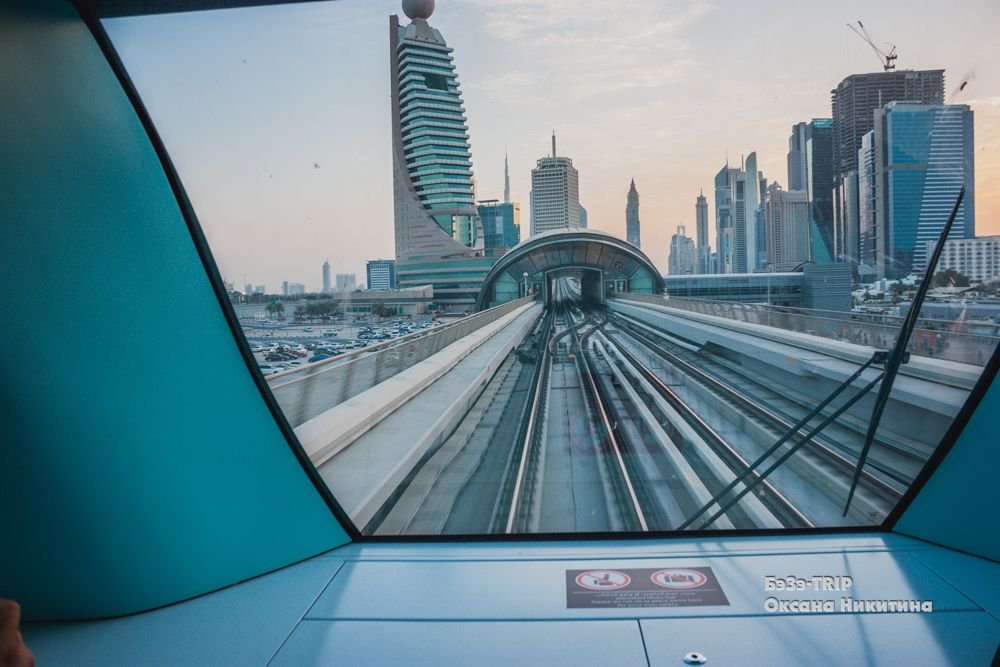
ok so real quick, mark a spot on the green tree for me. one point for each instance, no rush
(949, 278)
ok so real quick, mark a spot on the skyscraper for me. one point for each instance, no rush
(786, 215)
(326, 277)
(797, 157)
(752, 199)
(583, 217)
(724, 220)
(682, 258)
(506, 179)
(923, 157)
(501, 226)
(867, 205)
(555, 194)
(853, 103)
(701, 231)
(819, 188)
(632, 216)
(438, 231)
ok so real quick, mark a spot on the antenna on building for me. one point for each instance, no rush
(553, 143)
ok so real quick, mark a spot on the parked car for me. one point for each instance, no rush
(319, 357)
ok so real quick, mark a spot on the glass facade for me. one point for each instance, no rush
(926, 158)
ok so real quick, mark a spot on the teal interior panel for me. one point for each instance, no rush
(957, 505)
(241, 625)
(139, 463)
(364, 643)
(873, 640)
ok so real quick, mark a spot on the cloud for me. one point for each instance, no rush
(576, 56)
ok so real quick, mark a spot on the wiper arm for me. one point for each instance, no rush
(897, 356)
(878, 357)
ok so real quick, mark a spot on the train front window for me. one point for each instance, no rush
(514, 268)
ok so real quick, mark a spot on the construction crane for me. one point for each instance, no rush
(888, 59)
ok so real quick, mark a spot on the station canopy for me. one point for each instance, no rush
(620, 265)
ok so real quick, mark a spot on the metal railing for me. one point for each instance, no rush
(960, 341)
(303, 393)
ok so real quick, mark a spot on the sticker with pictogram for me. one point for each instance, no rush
(643, 587)
(603, 580)
(678, 578)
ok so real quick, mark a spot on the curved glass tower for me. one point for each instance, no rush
(439, 238)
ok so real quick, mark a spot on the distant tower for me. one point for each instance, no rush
(326, 277)
(632, 216)
(506, 179)
(701, 219)
(555, 194)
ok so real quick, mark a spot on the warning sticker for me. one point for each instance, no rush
(646, 587)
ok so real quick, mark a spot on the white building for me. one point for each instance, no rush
(683, 259)
(786, 220)
(346, 282)
(977, 259)
(555, 194)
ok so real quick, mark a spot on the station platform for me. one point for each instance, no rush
(518, 604)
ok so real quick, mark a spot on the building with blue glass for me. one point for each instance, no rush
(501, 226)
(923, 157)
(439, 235)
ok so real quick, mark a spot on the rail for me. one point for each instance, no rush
(959, 341)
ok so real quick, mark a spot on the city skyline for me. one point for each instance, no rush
(617, 116)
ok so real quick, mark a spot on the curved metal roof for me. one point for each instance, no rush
(577, 248)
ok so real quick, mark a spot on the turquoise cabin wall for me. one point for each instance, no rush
(139, 465)
(958, 505)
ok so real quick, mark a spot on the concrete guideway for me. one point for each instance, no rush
(365, 447)
(928, 391)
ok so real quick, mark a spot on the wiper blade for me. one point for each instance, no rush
(898, 355)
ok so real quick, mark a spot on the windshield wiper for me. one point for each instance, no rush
(896, 357)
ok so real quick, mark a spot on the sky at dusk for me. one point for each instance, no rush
(278, 118)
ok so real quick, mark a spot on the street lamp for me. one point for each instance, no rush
(524, 276)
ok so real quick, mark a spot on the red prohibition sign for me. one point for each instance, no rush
(603, 580)
(678, 578)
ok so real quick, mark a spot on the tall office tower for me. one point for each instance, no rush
(438, 232)
(923, 157)
(501, 226)
(326, 277)
(381, 274)
(701, 231)
(786, 219)
(723, 221)
(346, 282)
(752, 199)
(284, 288)
(867, 206)
(555, 194)
(583, 217)
(797, 156)
(819, 188)
(853, 102)
(683, 257)
(738, 186)
(632, 216)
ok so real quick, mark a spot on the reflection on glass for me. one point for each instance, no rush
(452, 368)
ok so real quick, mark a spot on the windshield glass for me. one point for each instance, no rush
(519, 267)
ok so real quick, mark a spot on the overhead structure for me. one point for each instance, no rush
(605, 263)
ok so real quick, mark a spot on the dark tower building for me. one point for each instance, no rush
(632, 216)
(854, 102)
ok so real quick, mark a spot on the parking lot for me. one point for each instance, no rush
(280, 347)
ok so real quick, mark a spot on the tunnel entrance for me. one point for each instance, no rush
(587, 283)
